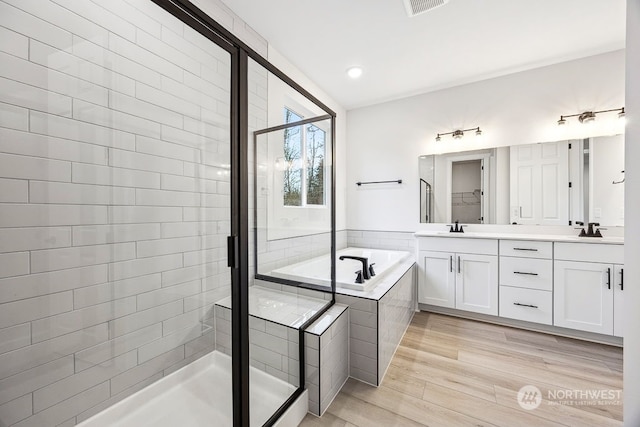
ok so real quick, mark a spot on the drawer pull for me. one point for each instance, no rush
(525, 249)
(527, 274)
(608, 278)
(525, 305)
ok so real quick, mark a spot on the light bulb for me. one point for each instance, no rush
(354, 72)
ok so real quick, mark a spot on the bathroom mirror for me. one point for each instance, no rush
(553, 183)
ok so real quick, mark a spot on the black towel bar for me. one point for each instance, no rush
(359, 183)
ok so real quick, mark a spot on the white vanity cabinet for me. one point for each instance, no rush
(555, 281)
(526, 280)
(459, 273)
(588, 288)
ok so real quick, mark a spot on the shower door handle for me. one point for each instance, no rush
(233, 252)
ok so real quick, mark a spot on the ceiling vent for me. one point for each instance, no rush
(416, 7)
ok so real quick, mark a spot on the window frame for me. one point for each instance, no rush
(304, 163)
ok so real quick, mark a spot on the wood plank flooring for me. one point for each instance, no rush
(455, 372)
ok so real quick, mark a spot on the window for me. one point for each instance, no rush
(304, 155)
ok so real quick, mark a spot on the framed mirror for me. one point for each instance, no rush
(552, 183)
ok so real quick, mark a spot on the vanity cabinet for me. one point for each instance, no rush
(460, 273)
(568, 284)
(589, 282)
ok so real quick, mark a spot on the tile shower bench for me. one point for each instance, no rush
(275, 317)
(356, 337)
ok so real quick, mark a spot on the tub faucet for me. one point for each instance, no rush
(359, 276)
(365, 268)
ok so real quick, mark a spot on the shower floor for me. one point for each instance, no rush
(197, 395)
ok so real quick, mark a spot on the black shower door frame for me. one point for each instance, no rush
(238, 241)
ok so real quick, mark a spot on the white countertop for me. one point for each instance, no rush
(514, 236)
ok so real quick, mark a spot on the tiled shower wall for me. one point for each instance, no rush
(114, 202)
(279, 253)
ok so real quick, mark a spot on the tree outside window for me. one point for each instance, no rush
(304, 156)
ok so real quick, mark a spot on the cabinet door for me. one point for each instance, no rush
(618, 300)
(583, 296)
(477, 283)
(436, 282)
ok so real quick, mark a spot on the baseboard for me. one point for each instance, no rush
(536, 327)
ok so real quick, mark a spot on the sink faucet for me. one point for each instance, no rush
(365, 268)
(589, 232)
(457, 229)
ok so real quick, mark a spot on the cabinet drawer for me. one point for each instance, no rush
(526, 273)
(526, 249)
(459, 244)
(590, 252)
(530, 305)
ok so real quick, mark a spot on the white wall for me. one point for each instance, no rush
(385, 140)
(632, 228)
(606, 199)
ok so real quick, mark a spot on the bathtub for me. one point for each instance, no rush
(317, 271)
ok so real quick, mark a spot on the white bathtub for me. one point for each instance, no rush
(317, 271)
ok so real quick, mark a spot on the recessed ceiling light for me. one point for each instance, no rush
(354, 72)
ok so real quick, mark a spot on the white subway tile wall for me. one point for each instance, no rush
(327, 357)
(363, 337)
(392, 240)
(376, 328)
(395, 311)
(273, 348)
(114, 200)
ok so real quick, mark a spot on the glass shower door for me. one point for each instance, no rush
(115, 207)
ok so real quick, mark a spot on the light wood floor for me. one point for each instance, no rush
(454, 372)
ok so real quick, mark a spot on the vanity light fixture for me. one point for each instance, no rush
(589, 116)
(458, 133)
